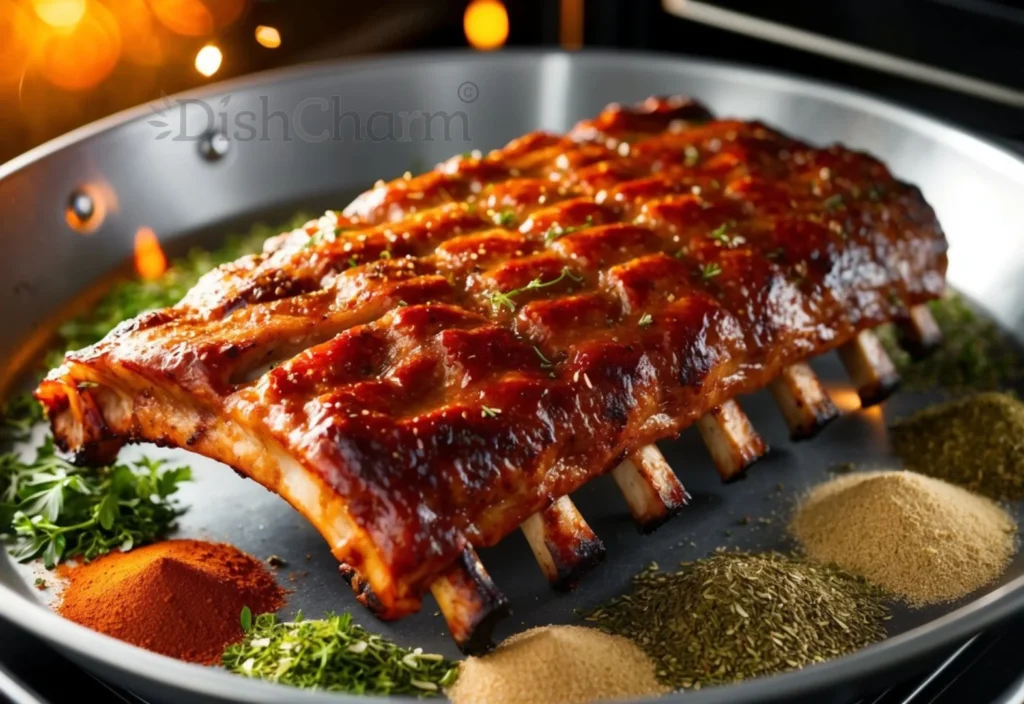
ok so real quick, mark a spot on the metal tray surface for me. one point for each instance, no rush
(166, 184)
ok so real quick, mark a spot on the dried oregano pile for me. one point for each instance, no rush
(738, 615)
(976, 442)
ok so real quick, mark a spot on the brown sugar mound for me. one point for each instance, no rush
(557, 665)
(180, 598)
(919, 538)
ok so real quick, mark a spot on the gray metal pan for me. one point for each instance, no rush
(185, 191)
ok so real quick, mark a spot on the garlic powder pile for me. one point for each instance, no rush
(919, 538)
(557, 665)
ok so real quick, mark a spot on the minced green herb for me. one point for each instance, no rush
(336, 655)
(975, 354)
(976, 442)
(735, 616)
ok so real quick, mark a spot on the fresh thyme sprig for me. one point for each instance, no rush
(504, 299)
(52, 508)
(556, 231)
(336, 655)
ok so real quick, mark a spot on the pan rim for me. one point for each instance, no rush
(909, 646)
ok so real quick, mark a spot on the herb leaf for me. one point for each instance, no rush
(246, 619)
(333, 654)
(501, 299)
(49, 506)
(710, 270)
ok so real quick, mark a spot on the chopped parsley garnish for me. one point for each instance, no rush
(504, 299)
(645, 320)
(505, 218)
(488, 412)
(710, 270)
(721, 235)
(335, 655)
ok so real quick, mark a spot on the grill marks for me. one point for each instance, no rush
(454, 350)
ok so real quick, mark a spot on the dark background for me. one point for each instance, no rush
(127, 52)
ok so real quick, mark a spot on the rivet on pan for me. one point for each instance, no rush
(213, 145)
(81, 205)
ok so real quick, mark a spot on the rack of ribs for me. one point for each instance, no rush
(452, 355)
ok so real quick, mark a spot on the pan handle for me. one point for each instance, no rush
(15, 691)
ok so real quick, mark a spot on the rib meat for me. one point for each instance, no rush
(454, 352)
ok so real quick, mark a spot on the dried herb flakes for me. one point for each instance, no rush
(738, 615)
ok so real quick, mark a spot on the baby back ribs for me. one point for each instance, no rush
(455, 353)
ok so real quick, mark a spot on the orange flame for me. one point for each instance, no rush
(486, 24)
(150, 260)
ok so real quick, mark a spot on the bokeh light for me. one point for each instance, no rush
(196, 18)
(82, 56)
(142, 41)
(60, 14)
(268, 37)
(208, 60)
(16, 27)
(486, 24)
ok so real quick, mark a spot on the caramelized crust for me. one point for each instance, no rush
(455, 351)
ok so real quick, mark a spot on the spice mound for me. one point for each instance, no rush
(976, 442)
(919, 538)
(336, 655)
(179, 598)
(737, 615)
(557, 665)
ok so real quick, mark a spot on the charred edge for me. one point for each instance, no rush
(810, 429)
(878, 391)
(919, 334)
(471, 603)
(731, 439)
(364, 593)
(870, 368)
(586, 555)
(650, 488)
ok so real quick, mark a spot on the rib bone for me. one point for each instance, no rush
(919, 334)
(803, 401)
(871, 370)
(650, 487)
(731, 439)
(471, 603)
(565, 546)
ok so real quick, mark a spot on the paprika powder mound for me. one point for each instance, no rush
(180, 598)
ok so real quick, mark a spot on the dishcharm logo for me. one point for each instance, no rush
(315, 119)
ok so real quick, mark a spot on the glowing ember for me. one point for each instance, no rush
(208, 60)
(268, 37)
(486, 24)
(150, 260)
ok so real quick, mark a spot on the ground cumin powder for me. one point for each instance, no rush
(557, 665)
(180, 598)
(919, 538)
